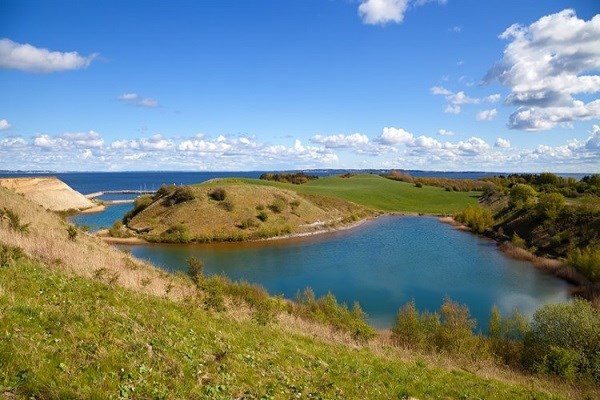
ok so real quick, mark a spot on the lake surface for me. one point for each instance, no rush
(382, 264)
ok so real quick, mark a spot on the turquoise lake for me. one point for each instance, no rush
(382, 264)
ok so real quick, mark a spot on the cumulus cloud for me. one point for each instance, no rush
(502, 143)
(393, 136)
(382, 12)
(593, 142)
(545, 65)
(4, 125)
(458, 99)
(444, 132)
(135, 99)
(341, 141)
(486, 115)
(154, 143)
(26, 57)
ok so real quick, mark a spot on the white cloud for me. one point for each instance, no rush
(502, 143)
(341, 141)
(473, 146)
(154, 143)
(134, 98)
(439, 90)
(381, 12)
(452, 109)
(84, 140)
(456, 29)
(444, 132)
(13, 143)
(4, 125)
(392, 136)
(545, 65)
(486, 115)
(26, 57)
(493, 98)
(593, 142)
(128, 96)
(461, 98)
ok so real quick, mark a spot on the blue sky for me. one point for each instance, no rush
(298, 84)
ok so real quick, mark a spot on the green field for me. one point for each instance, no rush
(71, 337)
(383, 194)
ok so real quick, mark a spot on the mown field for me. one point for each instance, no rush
(383, 194)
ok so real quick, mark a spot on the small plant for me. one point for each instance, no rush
(218, 194)
(10, 254)
(278, 205)
(248, 223)
(14, 221)
(195, 270)
(227, 205)
(418, 185)
(263, 216)
(72, 232)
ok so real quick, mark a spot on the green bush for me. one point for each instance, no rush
(263, 216)
(278, 205)
(139, 205)
(195, 270)
(550, 205)
(455, 333)
(327, 310)
(476, 217)
(565, 340)
(177, 233)
(414, 330)
(522, 195)
(248, 223)
(518, 241)
(586, 261)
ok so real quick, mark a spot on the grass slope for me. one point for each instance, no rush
(70, 337)
(383, 194)
(236, 217)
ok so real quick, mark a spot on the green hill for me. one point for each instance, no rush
(81, 319)
(235, 211)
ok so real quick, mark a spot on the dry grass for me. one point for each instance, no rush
(86, 255)
(236, 217)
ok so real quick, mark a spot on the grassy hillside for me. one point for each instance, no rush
(233, 211)
(383, 194)
(71, 337)
(80, 319)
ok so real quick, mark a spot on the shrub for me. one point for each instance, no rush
(177, 233)
(419, 185)
(195, 270)
(414, 330)
(518, 241)
(214, 288)
(476, 217)
(327, 310)
(218, 194)
(182, 194)
(248, 223)
(586, 261)
(278, 205)
(71, 232)
(164, 191)
(227, 205)
(14, 221)
(263, 216)
(139, 205)
(565, 340)
(118, 230)
(550, 204)
(522, 195)
(10, 255)
(455, 333)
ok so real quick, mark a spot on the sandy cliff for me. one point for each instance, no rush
(50, 192)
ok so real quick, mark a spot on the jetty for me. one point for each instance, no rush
(102, 193)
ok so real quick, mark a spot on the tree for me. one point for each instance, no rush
(550, 204)
(522, 195)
